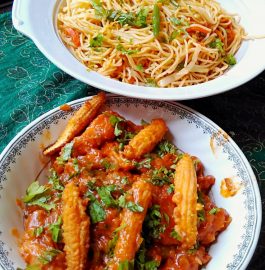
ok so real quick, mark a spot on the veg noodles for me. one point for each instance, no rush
(167, 43)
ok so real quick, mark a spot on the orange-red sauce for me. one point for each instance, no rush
(229, 188)
(97, 161)
(65, 107)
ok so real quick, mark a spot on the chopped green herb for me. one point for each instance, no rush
(31, 267)
(106, 164)
(115, 121)
(140, 19)
(122, 201)
(214, 210)
(161, 176)
(166, 147)
(170, 189)
(54, 180)
(126, 265)
(75, 165)
(145, 163)
(96, 41)
(55, 229)
(33, 191)
(201, 215)
(142, 262)
(140, 68)
(124, 180)
(95, 209)
(65, 154)
(200, 198)
(194, 249)
(151, 82)
(134, 207)
(99, 10)
(152, 223)
(120, 48)
(105, 195)
(49, 255)
(175, 235)
(42, 202)
(91, 184)
(230, 60)
(38, 231)
(217, 44)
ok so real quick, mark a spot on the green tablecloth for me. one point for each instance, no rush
(31, 85)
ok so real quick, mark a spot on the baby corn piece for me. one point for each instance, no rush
(78, 122)
(129, 238)
(185, 198)
(75, 228)
(145, 141)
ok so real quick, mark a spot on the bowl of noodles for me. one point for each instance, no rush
(163, 49)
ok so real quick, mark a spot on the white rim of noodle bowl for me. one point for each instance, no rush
(37, 20)
(255, 228)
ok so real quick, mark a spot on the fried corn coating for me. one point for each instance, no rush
(129, 237)
(75, 228)
(77, 123)
(146, 140)
(185, 198)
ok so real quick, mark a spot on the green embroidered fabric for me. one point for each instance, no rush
(30, 85)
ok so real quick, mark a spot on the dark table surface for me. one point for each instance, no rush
(241, 113)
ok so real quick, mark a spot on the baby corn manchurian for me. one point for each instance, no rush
(129, 238)
(145, 141)
(185, 198)
(75, 228)
(78, 122)
(119, 196)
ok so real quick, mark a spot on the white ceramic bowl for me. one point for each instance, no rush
(20, 163)
(37, 20)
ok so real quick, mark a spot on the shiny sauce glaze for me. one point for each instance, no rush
(95, 163)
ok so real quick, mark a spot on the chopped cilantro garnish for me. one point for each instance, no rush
(126, 265)
(200, 198)
(174, 234)
(145, 163)
(36, 194)
(115, 121)
(95, 209)
(134, 207)
(33, 191)
(152, 223)
(201, 215)
(140, 19)
(31, 267)
(217, 44)
(214, 210)
(105, 195)
(38, 231)
(96, 41)
(144, 123)
(140, 68)
(66, 153)
(99, 10)
(54, 180)
(161, 176)
(194, 248)
(49, 255)
(166, 147)
(142, 262)
(106, 164)
(170, 189)
(55, 229)
(230, 60)
(124, 180)
(91, 184)
(120, 48)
